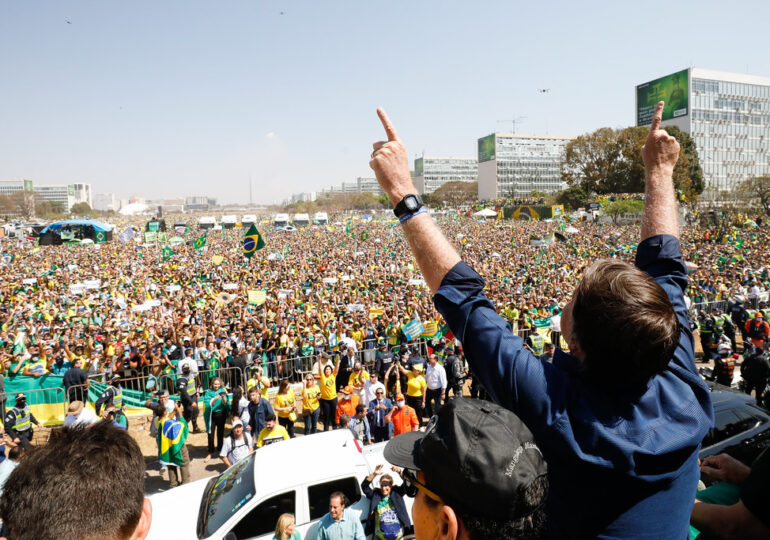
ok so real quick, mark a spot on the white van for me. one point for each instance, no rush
(321, 218)
(207, 222)
(248, 220)
(280, 220)
(301, 220)
(228, 221)
(295, 476)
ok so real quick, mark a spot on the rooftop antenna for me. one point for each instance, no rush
(514, 121)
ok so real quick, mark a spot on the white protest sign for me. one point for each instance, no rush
(93, 283)
(78, 288)
(230, 286)
(29, 281)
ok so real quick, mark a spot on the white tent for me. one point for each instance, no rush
(485, 213)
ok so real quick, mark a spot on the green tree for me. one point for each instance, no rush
(573, 198)
(610, 161)
(80, 209)
(454, 194)
(590, 161)
(24, 203)
(756, 192)
(617, 208)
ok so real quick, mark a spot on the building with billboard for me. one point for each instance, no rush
(83, 194)
(12, 185)
(726, 114)
(430, 173)
(512, 165)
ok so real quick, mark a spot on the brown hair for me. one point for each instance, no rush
(625, 325)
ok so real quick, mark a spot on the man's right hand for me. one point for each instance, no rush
(390, 163)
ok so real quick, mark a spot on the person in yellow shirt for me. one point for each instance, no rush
(311, 407)
(272, 433)
(415, 388)
(358, 378)
(328, 379)
(284, 406)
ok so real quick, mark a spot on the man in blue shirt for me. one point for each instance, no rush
(619, 418)
(339, 524)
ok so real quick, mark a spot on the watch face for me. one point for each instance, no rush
(411, 203)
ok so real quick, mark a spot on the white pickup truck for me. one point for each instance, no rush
(295, 476)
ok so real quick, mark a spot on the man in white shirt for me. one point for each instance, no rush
(78, 415)
(371, 385)
(237, 445)
(190, 361)
(435, 394)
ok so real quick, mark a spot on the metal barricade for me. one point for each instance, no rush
(48, 404)
(230, 376)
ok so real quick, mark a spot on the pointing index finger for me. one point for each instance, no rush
(657, 116)
(390, 131)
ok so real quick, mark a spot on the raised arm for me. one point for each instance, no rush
(434, 254)
(659, 153)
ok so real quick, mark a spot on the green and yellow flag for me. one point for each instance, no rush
(364, 236)
(172, 435)
(199, 242)
(252, 241)
(167, 253)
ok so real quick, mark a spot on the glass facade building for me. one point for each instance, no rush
(512, 166)
(430, 173)
(728, 117)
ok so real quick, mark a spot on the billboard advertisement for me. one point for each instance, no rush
(673, 89)
(27, 185)
(418, 167)
(487, 148)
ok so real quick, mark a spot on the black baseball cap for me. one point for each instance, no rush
(476, 456)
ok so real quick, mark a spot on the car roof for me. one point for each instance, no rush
(722, 399)
(306, 460)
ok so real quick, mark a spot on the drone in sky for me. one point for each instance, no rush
(543, 90)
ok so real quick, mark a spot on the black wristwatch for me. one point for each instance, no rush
(408, 205)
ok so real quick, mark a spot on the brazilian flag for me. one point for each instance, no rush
(167, 253)
(100, 237)
(252, 241)
(364, 236)
(199, 242)
(172, 435)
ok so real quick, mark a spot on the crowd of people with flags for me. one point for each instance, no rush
(282, 305)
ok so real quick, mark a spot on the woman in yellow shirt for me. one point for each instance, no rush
(284, 407)
(328, 393)
(311, 408)
(415, 388)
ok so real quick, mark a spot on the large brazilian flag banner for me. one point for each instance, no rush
(673, 89)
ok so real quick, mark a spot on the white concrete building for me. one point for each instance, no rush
(512, 165)
(726, 114)
(430, 173)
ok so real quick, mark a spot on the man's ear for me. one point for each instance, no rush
(450, 525)
(145, 520)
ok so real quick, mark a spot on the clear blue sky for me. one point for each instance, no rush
(173, 98)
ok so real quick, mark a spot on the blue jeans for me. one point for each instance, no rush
(272, 366)
(311, 422)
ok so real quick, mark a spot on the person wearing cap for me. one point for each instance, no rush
(256, 378)
(388, 517)
(188, 395)
(18, 422)
(113, 395)
(475, 472)
(402, 417)
(348, 401)
(757, 329)
(273, 432)
(383, 360)
(624, 412)
(238, 444)
(79, 414)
